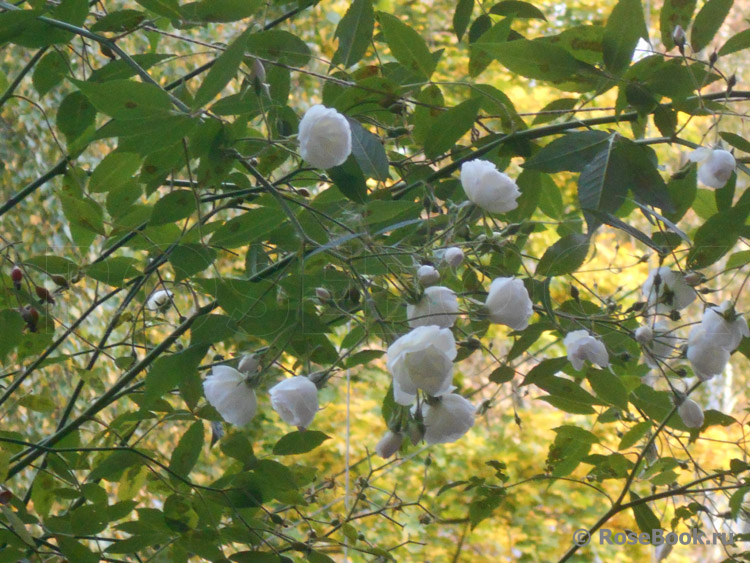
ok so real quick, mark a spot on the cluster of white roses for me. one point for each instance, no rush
(230, 392)
(710, 342)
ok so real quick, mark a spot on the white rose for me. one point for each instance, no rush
(249, 364)
(227, 391)
(325, 138)
(722, 332)
(428, 275)
(581, 346)
(453, 256)
(672, 292)
(159, 300)
(659, 345)
(508, 303)
(438, 306)
(296, 400)
(448, 419)
(489, 188)
(691, 413)
(389, 444)
(705, 356)
(715, 167)
(422, 359)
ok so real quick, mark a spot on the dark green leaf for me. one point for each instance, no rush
(634, 434)
(736, 141)
(119, 20)
(127, 99)
(503, 374)
(609, 388)
(716, 237)
(570, 152)
(188, 450)
(53, 264)
(278, 45)
(168, 371)
(220, 11)
(407, 46)
(299, 442)
(644, 516)
(13, 326)
(247, 228)
(674, 13)
(50, 71)
(174, 206)
(222, 71)
(120, 69)
(84, 213)
(369, 151)
(75, 115)
(114, 170)
(480, 50)
(517, 9)
(682, 190)
(349, 179)
(462, 16)
(563, 257)
(166, 8)
(114, 271)
(625, 26)
(450, 126)
(708, 21)
(736, 43)
(354, 32)
(189, 259)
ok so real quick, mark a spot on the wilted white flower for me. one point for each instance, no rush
(428, 275)
(723, 326)
(705, 356)
(159, 300)
(325, 138)
(227, 391)
(657, 341)
(249, 364)
(422, 359)
(322, 293)
(581, 346)
(489, 188)
(672, 291)
(662, 551)
(453, 256)
(508, 303)
(296, 400)
(678, 36)
(691, 413)
(447, 419)
(438, 306)
(715, 167)
(389, 444)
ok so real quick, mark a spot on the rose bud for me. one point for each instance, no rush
(44, 294)
(16, 275)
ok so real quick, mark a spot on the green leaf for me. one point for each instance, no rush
(517, 9)
(674, 13)
(299, 442)
(189, 259)
(166, 8)
(220, 11)
(716, 237)
(570, 152)
(736, 500)
(120, 69)
(50, 71)
(503, 374)
(407, 46)
(281, 46)
(736, 141)
(168, 371)
(114, 170)
(633, 435)
(127, 99)
(247, 228)
(114, 271)
(83, 213)
(188, 450)
(563, 257)
(450, 126)
(484, 504)
(708, 21)
(13, 326)
(682, 191)
(625, 26)
(540, 60)
(119, 21)
(370, 153)
(736, 43)
(75, 115)
(222, 71)
(609, 388)
(52, 264)
(174, 206)
(644, 516)
(479, 51)
(462, 16)
(354, 33)
(349, 179)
